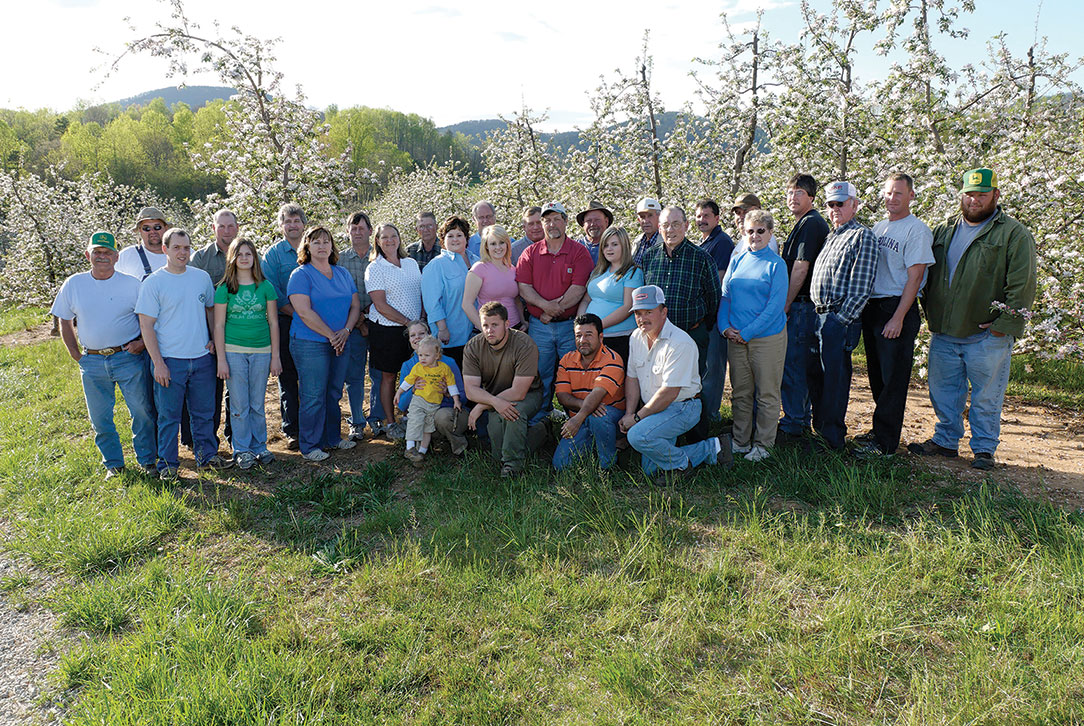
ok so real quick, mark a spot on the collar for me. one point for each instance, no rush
(718, 230)
(598, 354)
(564, 247)
(677, 250)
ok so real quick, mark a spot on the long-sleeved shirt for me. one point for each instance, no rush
(690, 280)
(278, 262)
(417, 252)
(212, 260)
(843, 274)
(640, 247)
(355, 264)
(754, 294)
(442, 296)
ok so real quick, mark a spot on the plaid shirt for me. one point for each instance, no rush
(690, 280)
(843, 273)
(355, 264)
(423, 257)
(641, 246)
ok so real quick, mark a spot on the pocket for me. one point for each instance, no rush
(851, 336)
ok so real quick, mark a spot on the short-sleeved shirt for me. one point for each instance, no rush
(804, 244)
(329, 298)
(130, 263)
(105, 308)
(246, 315)
(278, 264)
(433, 376)
(212, 260)
(900, 244)
(402, 288)
(497, 368)
(417, 252)
(670, 363)
(408, 394)
(178, 302)
(356, 265)
(719, 245)
(608, 294)
(552, 274)
(498, 285)
(605, 370)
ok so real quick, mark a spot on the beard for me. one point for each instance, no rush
(975, 214)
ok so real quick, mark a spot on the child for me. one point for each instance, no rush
(247, 347)
(429, 378)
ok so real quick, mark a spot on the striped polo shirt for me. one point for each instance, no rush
(605, 370)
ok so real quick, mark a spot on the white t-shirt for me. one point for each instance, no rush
(105, 308)
(671, 363)
(900, 244)
(402, 287)
(129, 262)
(179, 303)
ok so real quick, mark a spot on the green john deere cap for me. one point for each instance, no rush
(103, 239)
(980, 180)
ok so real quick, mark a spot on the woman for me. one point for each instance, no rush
(326, 308)
(494, 278)
(752, 320)
(442, 289)
(609, 290)
(394, 283)
(451, 424)
(247, 348)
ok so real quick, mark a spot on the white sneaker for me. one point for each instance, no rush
(757, 453)
(317, 455)
(357, 433)
(346, 444)
(397, 430)
(736, 448)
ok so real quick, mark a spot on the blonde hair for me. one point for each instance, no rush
(431, 342)
(496, 233)
(378, 250)
(626, 264)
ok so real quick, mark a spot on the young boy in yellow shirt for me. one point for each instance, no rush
(436, 378)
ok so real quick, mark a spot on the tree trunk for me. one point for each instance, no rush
(654, 132)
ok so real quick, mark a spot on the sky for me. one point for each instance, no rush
(450, 62)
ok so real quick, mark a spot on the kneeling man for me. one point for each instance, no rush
(591, 387)
(663, 373)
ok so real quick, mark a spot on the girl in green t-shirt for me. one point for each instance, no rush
(247, 346)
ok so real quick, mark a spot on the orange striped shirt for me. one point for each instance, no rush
(605, 370)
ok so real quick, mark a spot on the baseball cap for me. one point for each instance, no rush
(648, 204)
(746, 201)
(103, 239)
(149, 213)
(647, 297)
(840, 191)
(980, 180)
(553, 207)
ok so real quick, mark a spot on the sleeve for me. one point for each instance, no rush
(147, 303)
(582, 265)
(1020, 280)
(433, 292)
(525, 267)
(471, 366)
(635, 278)
(222, 294)
(209, 291)
(449, 378)
(773, 308)
(527, 360)
(919, 247)
(809, 240)
(724, 248)
(299, 283)
(268, 291)
(456, 375)
(710, 281)
(347, 278)
(722, 320)
(272, 269)
(62, 304)
(563, 381)
(611, 377)
(860, 280)
(374, 276)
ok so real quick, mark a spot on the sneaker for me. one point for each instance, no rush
(868, 450)
(215, 462)
(145, 470)
(345, 444)
(316, 455)
(292, 444)
(983, 461)
(168, 474)
(459, 444)
(113, 471)
(414, 456)
(397, 430)
(265, 457)
(246, 460)
(378, 428)
(736, 448)
(508, 471)
(930, 448)
(866, 438)
(357, 433)
(757, 453)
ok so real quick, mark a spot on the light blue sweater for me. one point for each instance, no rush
(754, 294)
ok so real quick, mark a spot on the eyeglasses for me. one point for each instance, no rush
(833, 205)
(672, 225)
(156, 228)
(758, 230)
(795, 192)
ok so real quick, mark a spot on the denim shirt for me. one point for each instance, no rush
(278, 262)
(442, 295)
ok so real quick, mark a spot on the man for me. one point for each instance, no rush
(176, 318)
(980, 288)
(112, 352)
(647, 212)
(742, 204)
(146, 257)
(212, 260)
(428, 246)
(500, 374)
(355, 260)
(484, 215)
(718, 244)
(800, 251)
(890, 321)
(689, 278)
(552, 276)
(661, 388)
(594, 220)
(532, 232)
(591, 387)
(278, 262)
(839, 288)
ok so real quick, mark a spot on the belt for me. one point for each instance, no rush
(822, 309)
(107, 351)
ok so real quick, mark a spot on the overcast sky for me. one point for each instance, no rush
(447, 61)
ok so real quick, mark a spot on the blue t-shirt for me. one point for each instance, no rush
(608, 294)
(962, 237)
(178, 302)
(754, 294)
(330, 299)
(404, 371)
(719, 246)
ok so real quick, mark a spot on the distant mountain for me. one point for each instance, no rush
(476, 131)
(194, 96)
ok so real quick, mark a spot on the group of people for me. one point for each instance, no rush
(463, 332)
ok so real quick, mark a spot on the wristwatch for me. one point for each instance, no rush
(636, 417)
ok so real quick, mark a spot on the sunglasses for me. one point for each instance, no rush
(156, 228)
(758, 230)
(833, 205)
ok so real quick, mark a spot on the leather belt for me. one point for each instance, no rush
(822, 309)
(107, 351)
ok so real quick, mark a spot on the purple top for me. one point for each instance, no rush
(499, 285)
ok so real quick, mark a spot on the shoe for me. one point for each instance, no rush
(357, 433)
(215, 462)
(983, 461)
(113, 471)
(869, 450)
(930, 448)
(459, 444)
(508, 471)
(316, 455)
(246, 460)
(145, 470)
(866, 438)
(671, 477)
(736, 448)
(168, 474)
(724, 451)
(378, 428)
(783, 438)
(396, 431)
(414, 456)
(345, 444)
(292, 444)
(265, 457)
(757, 453)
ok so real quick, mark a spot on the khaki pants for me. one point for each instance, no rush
(756, 370)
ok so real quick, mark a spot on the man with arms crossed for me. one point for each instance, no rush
(112, 352)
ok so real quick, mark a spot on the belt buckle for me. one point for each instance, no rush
(108, 351)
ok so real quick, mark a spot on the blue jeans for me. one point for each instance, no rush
(655, 436)
(984, 364)
(320, 376)
(355, 383)
(715, 374)
(288, 387)
(794, 393)
(247, 385)
(553, 341)
(101, 375)
(829, 375)
(602, 430)
(194, 378)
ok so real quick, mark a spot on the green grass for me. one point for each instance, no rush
(14, 319)
(796, 591)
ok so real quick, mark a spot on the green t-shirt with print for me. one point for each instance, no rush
(246, 314)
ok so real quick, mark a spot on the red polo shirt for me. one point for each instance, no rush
(552, 274)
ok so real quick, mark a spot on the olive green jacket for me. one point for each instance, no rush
(999, 265)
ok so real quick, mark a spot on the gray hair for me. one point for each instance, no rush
(290, 209)
(760, 215)
(474, 209)
(223, 211)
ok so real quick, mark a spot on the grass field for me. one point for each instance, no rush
(796, 591)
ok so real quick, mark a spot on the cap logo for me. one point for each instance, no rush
(975, 178)
(640, 296)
